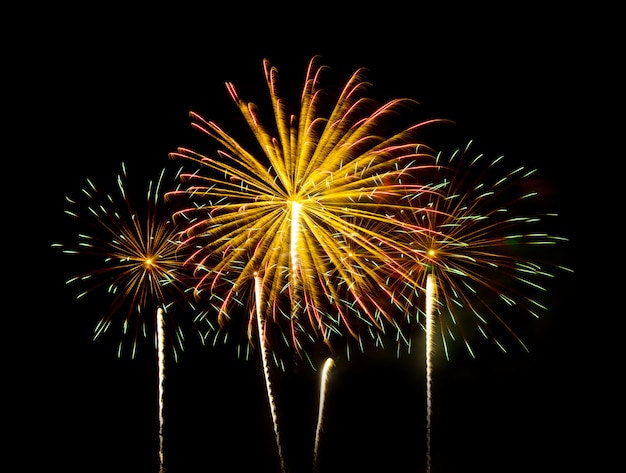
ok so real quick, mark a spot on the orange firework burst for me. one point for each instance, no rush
(301, 207)
(134, 258)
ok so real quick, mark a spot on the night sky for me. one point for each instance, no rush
(97, 88)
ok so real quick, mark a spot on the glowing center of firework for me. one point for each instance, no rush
(148, 262)
(431, 254)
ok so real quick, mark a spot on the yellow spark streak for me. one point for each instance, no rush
(430, 304)
(258, 292)
(328, 365)
(161, 366)
(295, 232)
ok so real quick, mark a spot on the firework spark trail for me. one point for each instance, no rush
(430, 303)
(161, 367)
(328, 365)
(137, 262)
(258, 293)
(294, 261)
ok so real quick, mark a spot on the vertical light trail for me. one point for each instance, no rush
(320, 416)
(293, 249)
(294, 261)
(161, 367)
(258, 293)
(430, 303)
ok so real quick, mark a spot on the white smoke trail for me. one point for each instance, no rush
(320, 416)
(268, 385)
(161, 365)
(430, 303)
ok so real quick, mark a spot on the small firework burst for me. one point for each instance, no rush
(484, 248)
(132, 256)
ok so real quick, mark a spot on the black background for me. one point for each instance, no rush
(93, 87)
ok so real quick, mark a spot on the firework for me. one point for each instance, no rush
(484, 248)
(299, 203)
(298, 208)
(480, 262)
(328, 365)
(135, 260)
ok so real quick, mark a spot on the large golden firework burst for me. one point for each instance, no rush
(302, 208)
